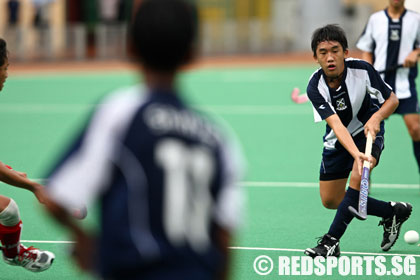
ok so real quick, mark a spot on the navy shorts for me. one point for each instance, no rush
(338, 163)
(408, 105)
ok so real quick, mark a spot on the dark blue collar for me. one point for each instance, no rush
(386, 13)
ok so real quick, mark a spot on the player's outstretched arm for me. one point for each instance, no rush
(346, 140)
(388, 107)
(19, 179)
(83, 251)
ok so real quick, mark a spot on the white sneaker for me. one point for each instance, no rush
(32, 259)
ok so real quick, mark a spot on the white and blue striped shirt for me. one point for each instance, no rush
(351, 101)
(390, 41)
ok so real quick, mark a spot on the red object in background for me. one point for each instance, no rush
(299, 98)
(8, 166)
(74, 11)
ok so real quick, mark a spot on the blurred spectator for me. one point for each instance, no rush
(13, 6)
(41, 12)
(74, 11)
(109, 10)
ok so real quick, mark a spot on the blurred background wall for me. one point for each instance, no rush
(96, 29)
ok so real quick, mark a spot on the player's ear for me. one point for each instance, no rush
(346, 53)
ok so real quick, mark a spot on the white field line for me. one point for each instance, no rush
(247, 249)
(316, 185)
(257, 110)
(44, 108)
(216, 109)
(301, 250)
(254, 184)
(48, 241)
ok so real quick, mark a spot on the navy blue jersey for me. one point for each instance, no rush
(351, 101)
(390, 41)
(165, 176)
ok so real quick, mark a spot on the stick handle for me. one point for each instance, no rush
(368, 149)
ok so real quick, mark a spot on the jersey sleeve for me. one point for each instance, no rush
(82, 174)
(366, 42)
(376, 85)
(321, 106)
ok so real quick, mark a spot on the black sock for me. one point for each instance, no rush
(379, 208)
(343, 216)
(416, 146)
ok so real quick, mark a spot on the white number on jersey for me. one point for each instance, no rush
(187, 200)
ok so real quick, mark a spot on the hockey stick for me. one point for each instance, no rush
(390, 69)
(364, 184)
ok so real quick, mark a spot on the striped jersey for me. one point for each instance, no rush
(351, 101)
(164, 175)
(390, 41)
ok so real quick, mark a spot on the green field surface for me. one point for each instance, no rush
(41, 114)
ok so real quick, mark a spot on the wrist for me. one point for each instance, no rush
(355, 152)
(377, 117)
(35, 187)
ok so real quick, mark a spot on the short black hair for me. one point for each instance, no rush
(163, 33)
(3, 51)
(329, 32)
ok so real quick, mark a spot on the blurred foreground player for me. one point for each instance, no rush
(15, 253)
(165, 176)
(340, 94)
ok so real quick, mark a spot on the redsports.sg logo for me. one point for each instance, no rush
(344, 265)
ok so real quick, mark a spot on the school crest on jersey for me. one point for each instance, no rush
(341, 104)
(395, 35)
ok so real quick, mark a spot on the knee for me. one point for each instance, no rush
(414, 131)
(4, 202)
(10, 215)
(330, 203)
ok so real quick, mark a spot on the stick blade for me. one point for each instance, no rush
(357, 214)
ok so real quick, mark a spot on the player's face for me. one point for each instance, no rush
(330, 55)
(396, 3)
(3, 73)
